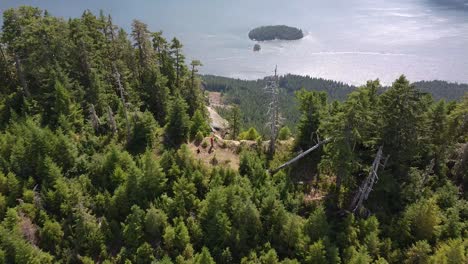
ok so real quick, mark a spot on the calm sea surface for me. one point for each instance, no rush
(350, 41)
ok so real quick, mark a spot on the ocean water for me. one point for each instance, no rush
(349, 41)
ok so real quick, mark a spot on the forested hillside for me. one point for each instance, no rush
(442, 89)
(250, 96)
(95, 166)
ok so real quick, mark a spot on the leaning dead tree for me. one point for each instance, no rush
(300, 156)
(272, 88)
(368, 183)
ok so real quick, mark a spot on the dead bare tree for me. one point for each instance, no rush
(272, 88)
(94, 118)
(37, 197)
(111, 120)
(122, 98)
(27, 228)
(429, 171)
(21, 77)
(5, 64)
(366, 186)
(117, 75)
(18, 65)
(300, 156)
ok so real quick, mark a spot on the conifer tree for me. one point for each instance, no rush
(153, 179)
(178, 123)
(155, 93)
(204, 257)
(179, 60)
(140, 35)
(235, 120)
(418, 253)
(438, 136)
(143, 134)
(193, 95)
(403, 125)
(155, 224)
(354, 128)
(312, 106)
(199, 124)
(133, 228)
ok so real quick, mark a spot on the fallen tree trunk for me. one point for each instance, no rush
(368, 183)
(300, 156)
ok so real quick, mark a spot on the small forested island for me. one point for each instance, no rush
(275, 32)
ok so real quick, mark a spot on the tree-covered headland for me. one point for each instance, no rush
(96, 126)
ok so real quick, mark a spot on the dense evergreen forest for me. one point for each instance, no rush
(95, 165)
(442, 89)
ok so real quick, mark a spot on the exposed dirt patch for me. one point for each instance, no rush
(215, 98)
(314, 195)
(224, 153)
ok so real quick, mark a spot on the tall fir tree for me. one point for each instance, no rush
(178, 123)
